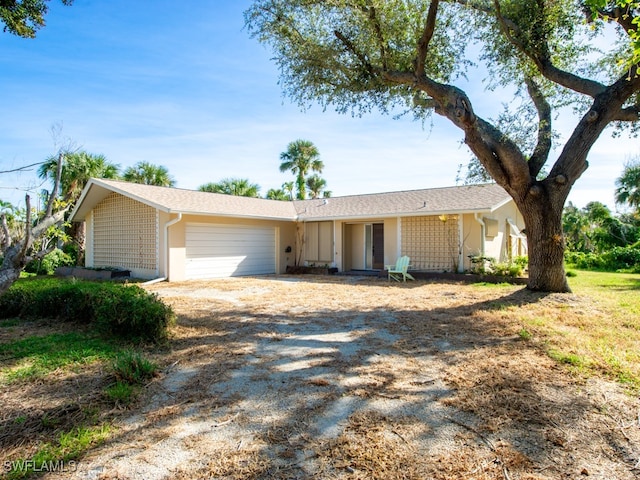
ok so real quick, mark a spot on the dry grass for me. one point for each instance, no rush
(321, 377)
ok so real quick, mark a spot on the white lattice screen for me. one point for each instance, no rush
(125, 234)
(431, 243)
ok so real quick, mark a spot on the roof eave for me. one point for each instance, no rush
(233, 215)
(397, 214)
(94, 182)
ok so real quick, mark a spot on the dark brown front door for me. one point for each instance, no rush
(378, 246)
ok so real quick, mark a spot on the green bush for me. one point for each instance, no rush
(506, 269)
(618, 258)
(48, 264)
(127, 311)
(132, 311)
(483, 265)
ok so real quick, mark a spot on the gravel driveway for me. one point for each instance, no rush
(353, 377)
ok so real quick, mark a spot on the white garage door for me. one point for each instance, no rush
(219, 251)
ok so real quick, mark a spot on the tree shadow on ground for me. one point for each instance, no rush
(388, 389)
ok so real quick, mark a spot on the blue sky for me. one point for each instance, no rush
(181, 84)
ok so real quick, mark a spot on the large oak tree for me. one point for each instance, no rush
(358, 55)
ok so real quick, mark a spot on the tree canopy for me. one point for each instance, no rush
(301, 158)
(77, 169)
(628, 185)
(24, 17)
(397, 55)
(241, 187)
(149, 174)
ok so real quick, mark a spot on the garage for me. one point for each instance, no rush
(219, 251)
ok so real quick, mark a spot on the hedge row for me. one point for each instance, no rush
(618, 258)
(127, 311)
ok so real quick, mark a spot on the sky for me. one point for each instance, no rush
(183, 85)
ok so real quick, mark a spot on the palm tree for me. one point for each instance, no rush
(628, 184)
(301, 157)
(316, 184)
(289, 187)
(240, 187)
(77, 169)
(149, 174)
(277, 194)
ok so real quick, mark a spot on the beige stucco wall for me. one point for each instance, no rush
(472, 239)
(177, 249)
(496, 246)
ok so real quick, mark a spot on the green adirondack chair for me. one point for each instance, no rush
(399, 270)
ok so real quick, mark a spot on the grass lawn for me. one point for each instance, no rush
(602, 338)
(59, 384)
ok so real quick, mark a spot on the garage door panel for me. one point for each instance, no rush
(218, 251)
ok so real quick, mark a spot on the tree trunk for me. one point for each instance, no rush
(7, 278)
(545, 241)
(12, 264)
(79, 235)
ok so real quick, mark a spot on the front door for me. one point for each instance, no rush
(378, 246)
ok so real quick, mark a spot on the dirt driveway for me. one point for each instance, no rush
(354, 378)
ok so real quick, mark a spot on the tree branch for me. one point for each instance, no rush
(28, 237)
(628, 114)
(427, 35)
(543, 61)
(351, 47)
(6, 234)
(543, 146)
(378, 29)
(20, 169)
(56, 186)
(624, 18)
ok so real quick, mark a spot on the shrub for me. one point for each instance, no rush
(618, 258)
(48, 264)
(506, 269)
(131, 311)
(124, 310)
(483, 265)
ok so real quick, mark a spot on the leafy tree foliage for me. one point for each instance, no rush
(149, 174)
(594, 229)
(241, 187)
(24, 17)
(357, 56)
(316, 185)
(77, 169)
(289, 188)
(301, 158)
(628, 185)
(277, 194)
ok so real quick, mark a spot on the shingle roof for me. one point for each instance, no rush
(176, 200)
(468, 198)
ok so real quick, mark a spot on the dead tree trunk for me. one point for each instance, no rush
(15, 254)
